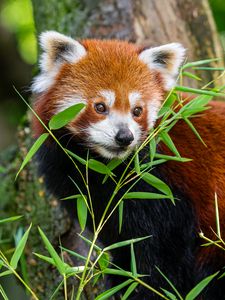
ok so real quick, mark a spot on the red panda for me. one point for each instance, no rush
(123, 86)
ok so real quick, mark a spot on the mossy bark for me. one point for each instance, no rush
(147, 22)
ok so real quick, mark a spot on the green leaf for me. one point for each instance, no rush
(144, 195)
(73, 253)
(58, 262)
(158, 184)
(121, 205)
(19, 249)
(117, 272)
(170, 283)
(169, 294)
(129, 291)
(208, 68)
(152, 146)
(80, 159)
(199, 62)
(5, 273)
(111, 166)
(194, 130)
(125, 243)
(33, 150)
(169, 143)
(167, 104)
(98, 167)
(45, 258)
(11, 219)
(198, 91)
(199, 287)
(64, 117)
(104, 261)
(113, 290)
(175, 158)
(133, 261)
(82, 212)
(89, 242)
(192, 76)
(72, 197)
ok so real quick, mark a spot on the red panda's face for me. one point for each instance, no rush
(121, 86)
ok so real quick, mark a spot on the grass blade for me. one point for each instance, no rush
(19, 249)
(125, 243)
(121, 205)
(11, 219)
(58, 262)
(158, 184)
(199, 287)
(170, 283)
(133, 261)
(2, 292)
(107, 294)
(82, 212)
(130, 290)
(144, 195)
(33, 150)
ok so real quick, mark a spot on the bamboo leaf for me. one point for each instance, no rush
(169, 143)
(58, 262)
(33, 150)
(191, 75)
(107, 294)
(199, 62)
(133, 261)
(170, 283)
(104, 261)
(121, 205)
(73, 253)
(117, 272)
(5, 273)
(125, 243)
(199, 287)
(11, 219)
(130, 290)
(98, 167)
(158, 184)
(198, 91)
(19, 249)
(145, 195)
(64, 117)
(169, 294)
(82, 212)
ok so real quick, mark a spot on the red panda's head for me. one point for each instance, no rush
(121, 84)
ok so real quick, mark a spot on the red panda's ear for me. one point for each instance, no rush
(166, 59)
(57, 49)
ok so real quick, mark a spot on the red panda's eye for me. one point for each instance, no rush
(137, 111)
(100, 108)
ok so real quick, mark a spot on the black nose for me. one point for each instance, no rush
(124, 137)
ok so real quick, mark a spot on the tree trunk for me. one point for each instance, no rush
(148, 22)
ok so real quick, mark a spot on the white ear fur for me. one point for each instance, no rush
(57, 49)
(166, 59)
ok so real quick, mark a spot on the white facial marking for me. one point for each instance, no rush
(109, 96)
(133, 98)
(153, 109)
(68, 102)
(102, 135)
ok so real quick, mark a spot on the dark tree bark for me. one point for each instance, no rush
(148, 22)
